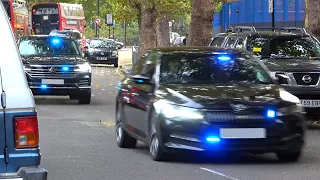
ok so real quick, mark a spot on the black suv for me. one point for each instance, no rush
(102, 51)
(54, 66)
(292, 56)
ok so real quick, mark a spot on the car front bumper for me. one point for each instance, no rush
(78, 84)
(282, 134)
(109, 60)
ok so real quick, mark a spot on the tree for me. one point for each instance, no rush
(200, 30)
(312, 19)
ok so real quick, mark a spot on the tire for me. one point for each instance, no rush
(123, 139)
(85, 98)
(289, 156)
(155, 150)
(115, 65)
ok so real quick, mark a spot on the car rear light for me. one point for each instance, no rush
(26, 132)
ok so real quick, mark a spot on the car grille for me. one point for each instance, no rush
(52, 71)
(299, 76)
(229, 117)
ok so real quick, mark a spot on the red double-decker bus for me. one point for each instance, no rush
(57, 16)
(18, 16)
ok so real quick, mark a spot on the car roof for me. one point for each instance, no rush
(195, 49)
(264, 34)
(13, 78)
(44, 37)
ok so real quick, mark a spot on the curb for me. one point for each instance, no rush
(313, 126)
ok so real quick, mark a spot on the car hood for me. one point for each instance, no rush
(105, 49)
(292, 65)
(52, 60)
(219, 97)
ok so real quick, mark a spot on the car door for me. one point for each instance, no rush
(140, 95)
(2, 130)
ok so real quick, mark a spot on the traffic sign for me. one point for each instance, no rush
(109, 19)
(270, 5)
(98, 21)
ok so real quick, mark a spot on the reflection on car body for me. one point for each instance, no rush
(54, 66)
(207, 99)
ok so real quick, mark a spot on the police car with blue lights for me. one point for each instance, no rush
(54, 65)
(207, 99)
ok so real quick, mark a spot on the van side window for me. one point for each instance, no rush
(231, 42)
(217, 42)
(240, 43)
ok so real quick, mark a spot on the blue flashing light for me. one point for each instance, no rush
(65, 68)
(44, 86)
(213, 139)
(55, 41)
(224, 58)
(140, 81)
(271, 113)
(119, 86)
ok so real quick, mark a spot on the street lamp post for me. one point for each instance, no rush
(273, 14)
(98, 13)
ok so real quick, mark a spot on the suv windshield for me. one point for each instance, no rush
(284, 47)
(100, 44)
(48, 47)
(194, 68)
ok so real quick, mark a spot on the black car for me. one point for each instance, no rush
(101, 51)
(207, 99)
(54, 66)
(289, 52)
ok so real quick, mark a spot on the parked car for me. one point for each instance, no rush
(290, 53)
(102, 51)
(54, 65)
(19, 134)
(207, 99)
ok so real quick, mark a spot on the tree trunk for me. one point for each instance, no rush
(200, 31)
(163, 34)
(312, 21)
(148, 37)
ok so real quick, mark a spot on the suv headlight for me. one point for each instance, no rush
(177, 112)
(83, 68)
(286, 96)
(114, 53)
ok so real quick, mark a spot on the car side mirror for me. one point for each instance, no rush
(141, 79)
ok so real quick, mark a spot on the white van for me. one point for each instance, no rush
(19, 134)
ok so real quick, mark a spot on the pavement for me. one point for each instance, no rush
(78, 143)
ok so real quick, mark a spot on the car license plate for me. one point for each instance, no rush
(310, 103)
(243, 133)
(102, 58)
(45, 18)
(52, 81)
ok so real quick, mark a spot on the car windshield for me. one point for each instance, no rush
(100, 44)
(284, 47)
(48, 47)
(191, 68)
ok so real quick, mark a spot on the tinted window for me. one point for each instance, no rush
(100, 44)
(286, 47)
(138, 67)
(48, 47)
(217, 41)
(206, 68)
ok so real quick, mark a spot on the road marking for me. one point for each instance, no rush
(97, 85)
(218, 173)
(108, 123)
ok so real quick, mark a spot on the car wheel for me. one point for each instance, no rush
(124, 140)
(85, 98)
(115, 65)
(289, 156)
(155, 149)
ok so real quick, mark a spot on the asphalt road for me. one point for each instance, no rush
(77, 142)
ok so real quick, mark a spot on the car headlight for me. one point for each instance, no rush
(286, 96)
(83, 68)
(114, 53)
(177, 112)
